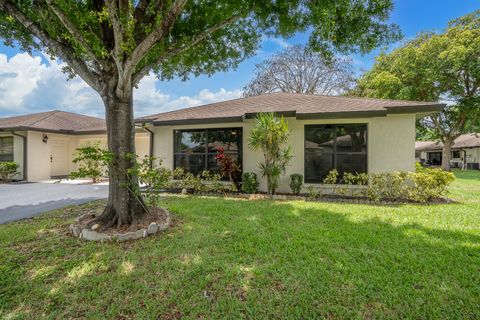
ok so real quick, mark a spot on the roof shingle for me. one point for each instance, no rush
(300, 105)
(468, 140)
(56, 121)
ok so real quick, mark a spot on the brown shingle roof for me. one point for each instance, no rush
(302, 106)
(55, 121)
(468, 140)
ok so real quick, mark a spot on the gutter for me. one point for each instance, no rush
(25, 157)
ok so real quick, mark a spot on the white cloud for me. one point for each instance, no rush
(29, 85)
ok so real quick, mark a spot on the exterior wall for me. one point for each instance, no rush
(391, 144)
(17, 151)
(39, 166)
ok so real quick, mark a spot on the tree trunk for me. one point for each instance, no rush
(447, 153)
(125, 204)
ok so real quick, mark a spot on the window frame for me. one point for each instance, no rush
(335, 153)
(459, 154)
(13, 148)
(206, 153)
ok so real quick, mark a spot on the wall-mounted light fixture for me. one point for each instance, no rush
(45, 138)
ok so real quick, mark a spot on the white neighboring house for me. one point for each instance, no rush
(465, 152)
(43, 143)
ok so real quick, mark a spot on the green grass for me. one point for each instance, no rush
(229, 259)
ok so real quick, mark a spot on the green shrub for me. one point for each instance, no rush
(153, 176)
(296, 183)
(8, 170)
(270, 134)
(313, 192)
(92, 162)
(426, 185)
(249, 182)
(332, 177)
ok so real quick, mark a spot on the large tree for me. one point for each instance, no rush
(113, 44)
(299, 69)
(444, 66)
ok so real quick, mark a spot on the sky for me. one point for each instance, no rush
(30, 84)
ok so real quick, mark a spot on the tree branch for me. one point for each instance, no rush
(171, 52)
(74, 32)
(156, 35)
(117, 32)
(59, 48)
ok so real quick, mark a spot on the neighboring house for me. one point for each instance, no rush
(465, 151)
(345, 133)
(43, 144)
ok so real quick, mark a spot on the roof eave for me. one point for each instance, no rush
(196, 121)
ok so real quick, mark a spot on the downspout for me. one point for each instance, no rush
(150, 151)
(24, 153)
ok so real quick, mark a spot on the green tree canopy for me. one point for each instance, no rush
(443, 66)
(113, 44)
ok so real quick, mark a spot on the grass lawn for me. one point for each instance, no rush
(254, 259)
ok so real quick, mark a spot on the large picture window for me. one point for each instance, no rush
(6, 149)
(195, 150)
(341, 147)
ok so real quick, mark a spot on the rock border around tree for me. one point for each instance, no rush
(92, 233)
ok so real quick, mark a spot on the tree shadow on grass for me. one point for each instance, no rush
(259, 259)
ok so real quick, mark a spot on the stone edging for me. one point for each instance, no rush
(92, 235)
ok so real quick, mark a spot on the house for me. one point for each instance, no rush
(346, 133)
(43, 144)
(465, 151)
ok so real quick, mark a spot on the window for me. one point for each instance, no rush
(341, 147)
(456, 154)
(6, 148)
(195, 150)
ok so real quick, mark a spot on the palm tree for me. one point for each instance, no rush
(270, 134)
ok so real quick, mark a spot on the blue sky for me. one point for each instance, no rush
(31, 85)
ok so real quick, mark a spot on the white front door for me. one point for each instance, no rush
(58, 157)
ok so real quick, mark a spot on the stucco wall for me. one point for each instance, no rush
(17, 151)
(391, 144)
(39, 166)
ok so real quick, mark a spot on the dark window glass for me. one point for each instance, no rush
(195, 150)
(317, 165)
(351, 138)
(353, 163)
(194, 163)
(229, 140)
(189, 142)
(456, 154)
(341, 147)
(6, 149)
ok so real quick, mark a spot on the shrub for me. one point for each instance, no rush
(92, 162)
(313, 192)
(249, 182)
(331, 177)
(153, 176)
(428, 184)
(270, 134)
(296, 183)
(229, 168)
(413, 186)
(8, 170)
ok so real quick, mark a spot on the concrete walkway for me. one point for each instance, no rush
(26, 200)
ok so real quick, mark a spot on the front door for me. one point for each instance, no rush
(58, 157)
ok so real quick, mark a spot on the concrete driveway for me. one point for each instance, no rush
(25, 200)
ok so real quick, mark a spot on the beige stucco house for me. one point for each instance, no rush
(465, 151)
(43, 144)
(349, 134)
